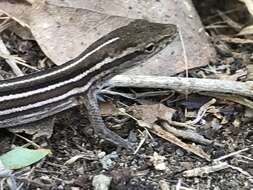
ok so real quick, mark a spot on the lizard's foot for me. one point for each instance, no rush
(114, 138)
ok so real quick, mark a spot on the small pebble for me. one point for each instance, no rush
(108, 160)
(180, 152)
(101, 154)
(101, 182)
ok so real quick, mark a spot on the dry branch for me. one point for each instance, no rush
(185, 84)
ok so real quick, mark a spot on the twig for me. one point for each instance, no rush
(11, 62)
(190, 135)
(29, 141)
(156, 129)
(6, 24)
(180, 124)
(201, 112)
(143, 139)
(181, 84)
(178, 186)
(236, 26)
(233, 98)
(235, 40)
(244, 157)
(205, 170)
(17, 60)
(241, 171)
(232, 154)
(184, 54)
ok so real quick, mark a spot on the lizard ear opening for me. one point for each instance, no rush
(150, 48)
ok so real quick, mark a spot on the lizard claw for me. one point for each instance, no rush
(114, 138)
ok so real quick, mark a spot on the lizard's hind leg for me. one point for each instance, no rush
(98, 124)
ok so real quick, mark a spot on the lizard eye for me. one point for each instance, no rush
(150, 48)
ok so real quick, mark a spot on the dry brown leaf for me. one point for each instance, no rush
(248, 30)
(63, 32)
(63, 29)
(182, 13)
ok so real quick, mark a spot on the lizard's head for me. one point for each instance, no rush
(132, 44)
(144, 36)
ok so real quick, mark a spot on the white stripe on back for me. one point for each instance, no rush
(48, 101)
(71, 80)
(53, 86)
(62, 69)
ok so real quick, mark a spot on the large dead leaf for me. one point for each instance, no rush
(62, 32)
(248, 30)
(249, 5)
(64, 29)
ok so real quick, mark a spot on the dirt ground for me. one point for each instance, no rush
(158, 164)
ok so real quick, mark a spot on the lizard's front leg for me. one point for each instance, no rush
(97, 122)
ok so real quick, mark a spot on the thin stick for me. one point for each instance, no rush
(231, 154)
(180, 84)
(11, 62)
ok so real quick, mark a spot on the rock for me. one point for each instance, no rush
(108, 160)
(101, 182)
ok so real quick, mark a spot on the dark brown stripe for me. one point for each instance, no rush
(110, 67)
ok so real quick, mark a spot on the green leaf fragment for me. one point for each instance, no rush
(21, 157)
